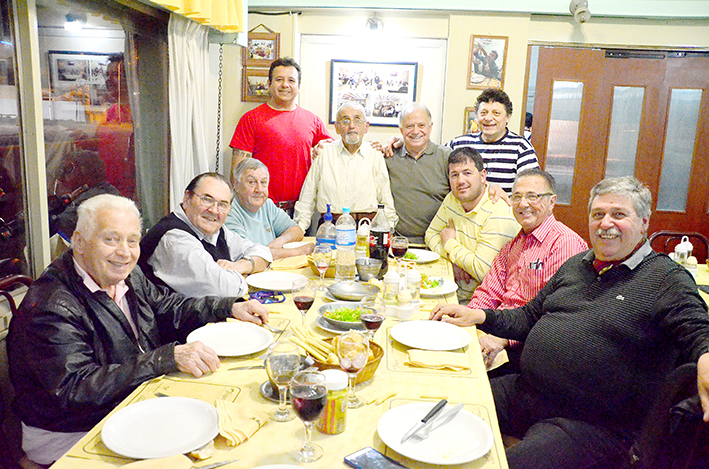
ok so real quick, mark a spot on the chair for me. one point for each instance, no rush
(672, 238)
(674, 436)
(10, 435)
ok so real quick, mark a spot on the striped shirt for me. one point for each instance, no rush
(480, 234)
(504, 158)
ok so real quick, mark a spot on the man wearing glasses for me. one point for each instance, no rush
(193, 253)
(524, 265)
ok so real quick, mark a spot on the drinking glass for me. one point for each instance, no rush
(309, 395)
(303, 296)
(322, 258)
(399, 245)
(372, 317)
(282, 363)
(353, 352)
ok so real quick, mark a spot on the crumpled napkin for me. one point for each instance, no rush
(178, 461)
(437, 360)
(290, 263)
(238, 423)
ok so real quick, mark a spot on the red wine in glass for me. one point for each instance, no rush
(308, 401)
(372, 321)
(399, 252)
(303, 303)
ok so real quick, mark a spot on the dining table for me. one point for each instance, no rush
(395, 383)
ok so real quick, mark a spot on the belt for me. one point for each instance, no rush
(356, 215)
(286, 204)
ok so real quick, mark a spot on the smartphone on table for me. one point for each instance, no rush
(370, 458)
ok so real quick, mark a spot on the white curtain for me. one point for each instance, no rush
(189, 55)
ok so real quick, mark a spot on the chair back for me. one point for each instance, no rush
(665, 241)
(12, 281)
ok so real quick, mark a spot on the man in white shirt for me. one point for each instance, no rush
(347, 173)
(193, 253)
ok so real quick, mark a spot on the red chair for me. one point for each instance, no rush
(665, 241)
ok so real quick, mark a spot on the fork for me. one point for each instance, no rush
(438, 421)
(271, 328)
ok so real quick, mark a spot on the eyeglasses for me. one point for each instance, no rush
(530, 196)
(268, 297)
(347, 121)
(206, 201)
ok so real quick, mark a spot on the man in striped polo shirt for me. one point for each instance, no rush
(505, 153)
(524, 265)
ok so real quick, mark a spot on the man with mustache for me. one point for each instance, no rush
(601, 337)
(347, 173)
(255, 217)
(192, 252)
(468, 228)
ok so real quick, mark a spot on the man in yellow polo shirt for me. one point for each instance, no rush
(468, 228)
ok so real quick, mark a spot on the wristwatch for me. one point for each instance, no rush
(253, 264)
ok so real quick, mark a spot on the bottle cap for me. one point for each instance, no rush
(392, 277)
(345, 210)
(336, 380)
(413, 275)
(380, 206)
(328, 214)
(363, 229)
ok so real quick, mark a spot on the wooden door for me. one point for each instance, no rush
(581, 95)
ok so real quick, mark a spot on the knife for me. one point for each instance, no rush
(438, 421)
(419, 425)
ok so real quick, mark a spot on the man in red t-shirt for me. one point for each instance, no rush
(280, 133)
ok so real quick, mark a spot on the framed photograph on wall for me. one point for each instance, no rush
(254, 85)
(78, 76)
(470, 125)
(488, 60)
(382, 88)
(261, 49)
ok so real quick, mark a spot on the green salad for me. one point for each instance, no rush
(428, 282)
(411, 256)
(344, 314)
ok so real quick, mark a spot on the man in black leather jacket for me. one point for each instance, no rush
(86, 333)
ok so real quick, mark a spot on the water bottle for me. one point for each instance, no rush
(326, 231)
(345, 237)
(379, 239)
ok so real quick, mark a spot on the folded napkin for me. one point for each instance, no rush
(238, 423)
(178, 461)
(438, 360)
(290, 263)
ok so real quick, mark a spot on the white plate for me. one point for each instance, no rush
(430, 335)
(326, 326)
(273, 280)
(476, 78)
(295, 244)
(233, 339)
(446, 287)
(423, 256)
(465, 438)
(161, 427)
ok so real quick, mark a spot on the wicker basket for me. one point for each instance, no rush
(368, 370)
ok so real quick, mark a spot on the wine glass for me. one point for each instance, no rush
(399, 246)
(282, 363)
(372, 318)
(322, 258)
(309, 395)
(353, 352)
(303, 295)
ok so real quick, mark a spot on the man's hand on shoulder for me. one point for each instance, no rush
(196, 358)
(496, 193)
(317, 149)
(250, 311)
(388, 150)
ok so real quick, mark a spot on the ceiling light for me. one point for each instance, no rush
(75, 21)
(579, 8)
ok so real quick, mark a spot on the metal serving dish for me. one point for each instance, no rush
(354, 291)
(337, 305)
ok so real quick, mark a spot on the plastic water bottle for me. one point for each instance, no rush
(326, 231)
(346, 235)
(379, 239)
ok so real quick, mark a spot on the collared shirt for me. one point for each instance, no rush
(631, 262)
(181, 261)
(525, 264)
(262, 227)
(119, 295)
(480, 234)
(418, 186)
(337, 177)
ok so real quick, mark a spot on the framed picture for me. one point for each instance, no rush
(470, 125)
(254, 85)
(488, 59)
(78, 76)
(382, 88)
(261, 49)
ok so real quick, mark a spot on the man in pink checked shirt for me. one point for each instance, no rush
(524, 265)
